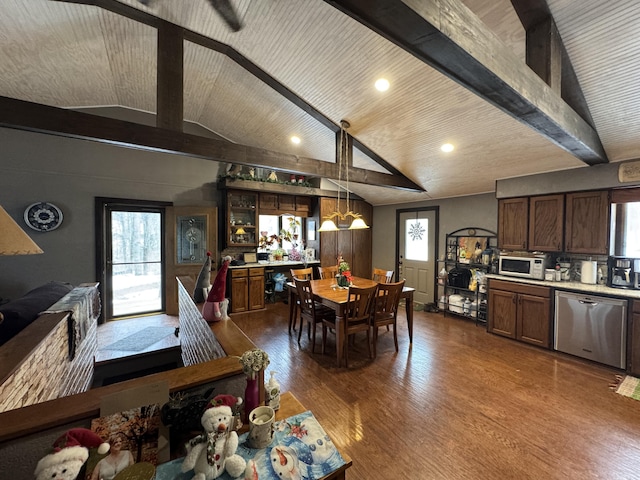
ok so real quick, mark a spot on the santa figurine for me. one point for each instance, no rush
(215, 308)
(70, 452)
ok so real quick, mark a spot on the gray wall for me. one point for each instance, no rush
(70, 174)
(455, 213)
(577, 179)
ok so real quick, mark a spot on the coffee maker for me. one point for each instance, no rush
(636, 269)
(622, 272)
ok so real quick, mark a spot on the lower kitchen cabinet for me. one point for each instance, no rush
(246, 289)
(520, 311)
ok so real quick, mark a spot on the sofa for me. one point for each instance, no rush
(48, 339)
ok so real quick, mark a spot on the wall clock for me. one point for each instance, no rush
(43, 216)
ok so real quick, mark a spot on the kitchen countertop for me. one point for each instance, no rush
(572, 286)
(288, 263)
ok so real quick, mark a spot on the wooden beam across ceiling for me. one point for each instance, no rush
(168, 66)
(446, 35)
(33, 117)
(547, 55)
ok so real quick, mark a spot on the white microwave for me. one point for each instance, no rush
(525, 267)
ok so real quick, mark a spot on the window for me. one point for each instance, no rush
(625, 227)
(416, 239)
(270, 225)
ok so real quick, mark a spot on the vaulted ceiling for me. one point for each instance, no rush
(458, 74)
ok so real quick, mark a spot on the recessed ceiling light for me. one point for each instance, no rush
(295, 140)
(447, 147)
(382, 84)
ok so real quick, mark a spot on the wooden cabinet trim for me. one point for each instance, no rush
(535, 290)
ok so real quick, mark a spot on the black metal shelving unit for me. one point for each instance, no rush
(464, 250)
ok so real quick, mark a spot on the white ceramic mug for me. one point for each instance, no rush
(261, 425)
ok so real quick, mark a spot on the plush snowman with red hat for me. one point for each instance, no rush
(70, 451)
(214, 452)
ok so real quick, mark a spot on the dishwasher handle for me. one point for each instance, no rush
(587, 302)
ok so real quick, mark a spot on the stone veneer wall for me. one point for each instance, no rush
(197, 341)
(46, 373)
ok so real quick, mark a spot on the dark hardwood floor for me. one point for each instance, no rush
(460, 404)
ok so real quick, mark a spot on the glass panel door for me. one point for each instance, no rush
(135, 270)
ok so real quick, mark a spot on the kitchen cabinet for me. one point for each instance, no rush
(513, 223)
(634, 340)
(287, 203)
(303, 206)
(354, 245)
(575, 222)
(246, 289)
(587, 222)
(268, 203)
(546, 223)
(280, 204)
(520, 311)
(241, 219)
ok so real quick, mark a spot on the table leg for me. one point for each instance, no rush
(408, 304)
(339, 338)
(292, 306)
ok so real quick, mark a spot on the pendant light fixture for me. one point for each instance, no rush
(343, 153)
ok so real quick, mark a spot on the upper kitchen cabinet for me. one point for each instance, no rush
(513, 219)
(287, 203)
(281, 204)
(242, 218)
(268, 203)
(546, 223)
(587, 223)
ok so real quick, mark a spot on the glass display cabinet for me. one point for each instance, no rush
(242, 218)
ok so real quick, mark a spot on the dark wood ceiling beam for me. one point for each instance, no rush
(449, 37)
(194, 37)
(33, 117)
(546, 53)
(170, 82)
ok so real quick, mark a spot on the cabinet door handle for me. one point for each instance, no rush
(513, 298)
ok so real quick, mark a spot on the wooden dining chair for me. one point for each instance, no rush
(310, 310)
(303, 274)
(385, 311)
(328, 272)
(382, 276)
(358, 311)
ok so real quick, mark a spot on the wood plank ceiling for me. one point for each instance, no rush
(77, 56)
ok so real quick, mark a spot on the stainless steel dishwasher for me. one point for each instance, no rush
(591, 327)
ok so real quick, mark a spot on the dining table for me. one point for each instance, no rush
(327, 292)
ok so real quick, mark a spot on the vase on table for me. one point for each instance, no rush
(343, 281)
(251, 397)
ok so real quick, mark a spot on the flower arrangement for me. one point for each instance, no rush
(344, 270)
(253, 361)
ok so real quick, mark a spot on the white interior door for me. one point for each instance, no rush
(417, 262)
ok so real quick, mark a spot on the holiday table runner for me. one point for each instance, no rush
(300, 450)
